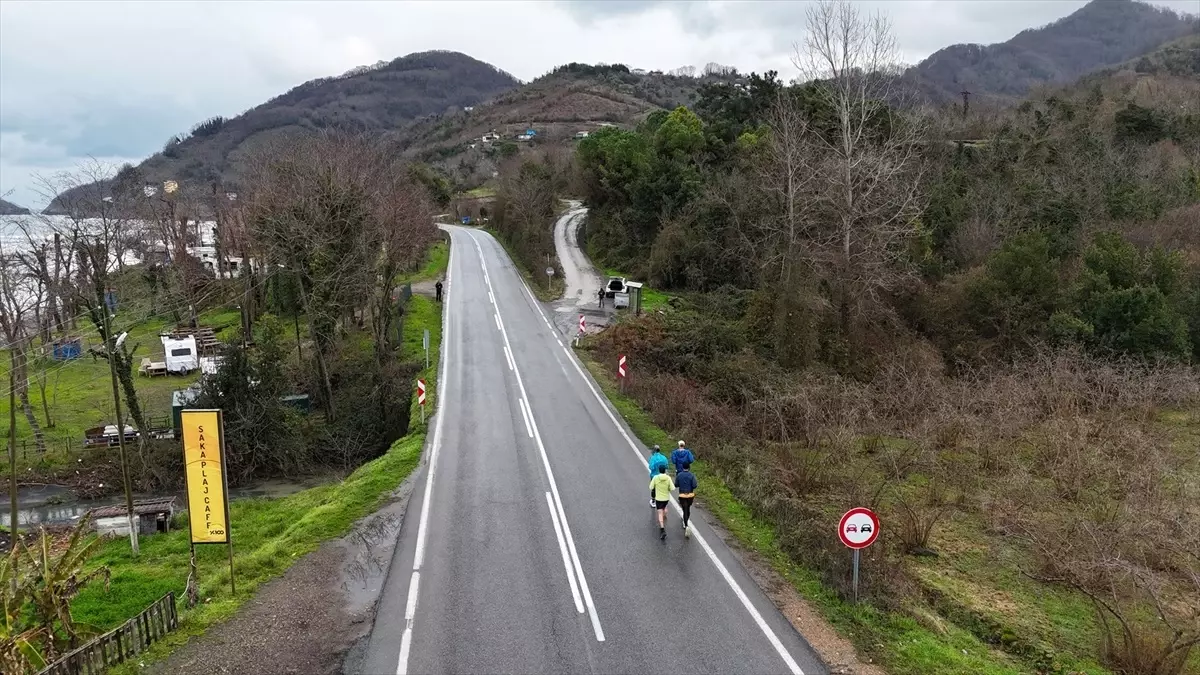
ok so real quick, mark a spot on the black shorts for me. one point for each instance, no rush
(661, 505)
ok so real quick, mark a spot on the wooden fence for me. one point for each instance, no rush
(120, 643)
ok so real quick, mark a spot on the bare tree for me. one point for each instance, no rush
(308, 211)
(17, 299)
(864, 139)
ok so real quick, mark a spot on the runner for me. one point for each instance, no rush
(686, 481)
(661, 485)
(656, 460)
(681, 456)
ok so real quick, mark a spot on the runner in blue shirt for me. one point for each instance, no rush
(681, 456)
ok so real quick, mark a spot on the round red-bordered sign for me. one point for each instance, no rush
(858, 528)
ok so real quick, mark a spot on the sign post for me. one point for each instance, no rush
(858, 529)
(621, 371)
(207, 485)
(582, 328)
(426, 345)
(549, 275)
(421, 398)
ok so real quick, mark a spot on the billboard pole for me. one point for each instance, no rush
(225, 489)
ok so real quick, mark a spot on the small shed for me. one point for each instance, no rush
(153, 516)
(181, 354)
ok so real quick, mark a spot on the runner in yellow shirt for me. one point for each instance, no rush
(662, 485)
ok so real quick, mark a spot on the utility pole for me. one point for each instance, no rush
(12, 448)
(98, 267)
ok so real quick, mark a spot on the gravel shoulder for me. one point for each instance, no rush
(309, 620)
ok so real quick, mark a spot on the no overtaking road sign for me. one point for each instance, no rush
(858, 528)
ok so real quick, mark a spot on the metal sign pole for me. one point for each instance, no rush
(426, 344)
(856, 576)
(225, 487)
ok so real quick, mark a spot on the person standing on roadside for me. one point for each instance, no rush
(600, 295)
(681, 456)
(662, 485)
(438, 288)
(657, 461)
(685, 480)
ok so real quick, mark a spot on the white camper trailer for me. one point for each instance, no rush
(181, 355)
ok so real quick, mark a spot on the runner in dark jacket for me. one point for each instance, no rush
(685, 480)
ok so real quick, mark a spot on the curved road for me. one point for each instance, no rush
(529, 546)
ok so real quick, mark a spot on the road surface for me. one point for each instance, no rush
(582, 280)
(529, 546)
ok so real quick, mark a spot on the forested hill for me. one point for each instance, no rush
(1100, 34)
(376, 98)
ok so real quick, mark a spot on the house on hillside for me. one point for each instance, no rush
(581, 134)
(490, 137)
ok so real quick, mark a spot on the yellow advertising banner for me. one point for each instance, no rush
(205, 471)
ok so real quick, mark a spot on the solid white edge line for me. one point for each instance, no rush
(525, 414)
(562, 514)
(435, 446)
(562, 548)
(712, 555)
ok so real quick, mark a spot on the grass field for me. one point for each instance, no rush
(79, 392)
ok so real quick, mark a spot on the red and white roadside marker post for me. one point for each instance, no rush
(621, 372)
(421, 398)
(582, 328)
(858, 529)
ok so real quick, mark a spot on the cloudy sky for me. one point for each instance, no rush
(114, 80)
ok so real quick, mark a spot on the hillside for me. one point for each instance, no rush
(377, 98)
(573, 98)
(10, 209)
(1100, 34)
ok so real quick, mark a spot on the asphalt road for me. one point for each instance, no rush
(529, 545)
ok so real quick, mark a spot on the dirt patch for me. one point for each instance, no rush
(295, 624)
(836, 651)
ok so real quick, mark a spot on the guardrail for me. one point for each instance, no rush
(127, 640)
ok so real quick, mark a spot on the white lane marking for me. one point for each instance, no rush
(793, 667)
(405, 647)
(508, 356)
(491, 297)
(525, 414)
(562, 514)
(562, 548)
(410, 608)
(497, 317)
(410, 603)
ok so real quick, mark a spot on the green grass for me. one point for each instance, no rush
(900, 642)
(481, 191)
(423, 313)
(79, 392)
(435, 265)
